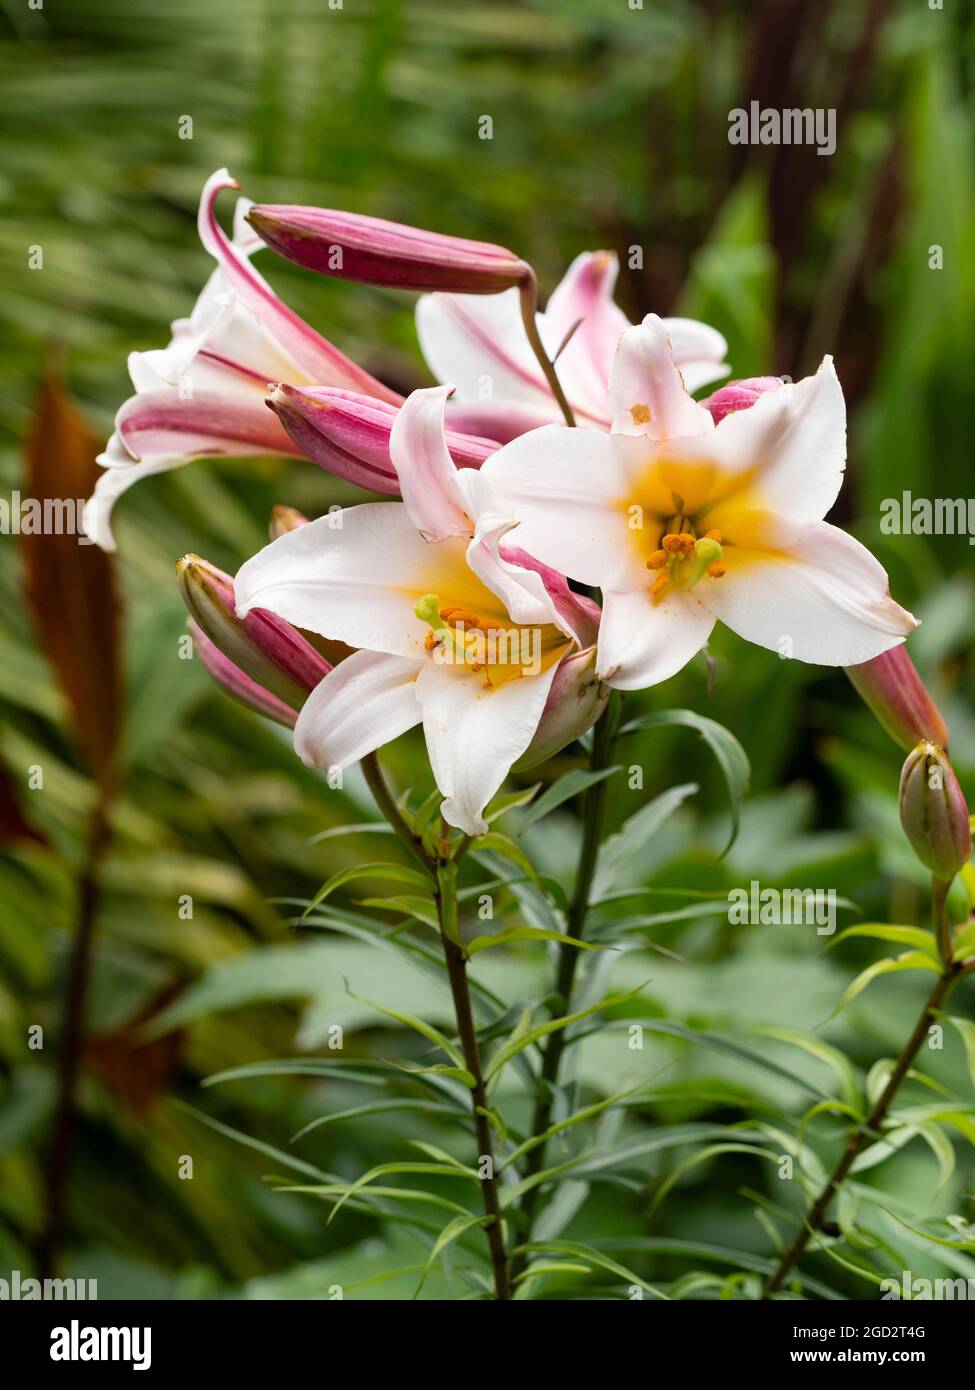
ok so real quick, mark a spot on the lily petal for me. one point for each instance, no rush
(582, 304)
(355, 576)
(478, 342)
(363, 703)
(825, 601)
(643, 642)
(474, 734)
(427, 474)
(699, 351)
(569, 490)
(646, 388)
(109, 488)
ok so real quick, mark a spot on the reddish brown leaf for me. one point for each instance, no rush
(70, 586)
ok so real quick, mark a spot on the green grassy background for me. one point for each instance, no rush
(610, 129)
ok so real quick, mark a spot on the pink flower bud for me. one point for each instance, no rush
(739, 395)
(283, 520)
(897, 697)
(575, 701)
(349, 434)
(376, 252)
(232, 679)
(933, 811)
(263, 646)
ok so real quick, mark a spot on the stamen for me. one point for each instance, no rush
(717, 569)
(657, 560)
(659, 584)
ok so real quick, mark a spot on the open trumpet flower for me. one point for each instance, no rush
(204, 393)
(453, 630)
(682, 522)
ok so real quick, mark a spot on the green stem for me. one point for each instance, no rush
(814, 1217)
(593, 807)
(529, 306)
(446, 898)
(939, 915)
(443, 872)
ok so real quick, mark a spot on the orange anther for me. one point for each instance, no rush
(657, 560)
(659, 584)
(672, 544)
(713, 536)
(717, 569)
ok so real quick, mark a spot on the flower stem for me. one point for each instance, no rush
(529, 306)
(443, 873)
(811, 1222)
(446, 899)
(593, 806)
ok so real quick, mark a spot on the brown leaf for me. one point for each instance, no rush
(70, 586)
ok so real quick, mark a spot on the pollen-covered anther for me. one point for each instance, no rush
(718, 569)
(713, 536)
(659, 584)
(681, 544)
(657, 560)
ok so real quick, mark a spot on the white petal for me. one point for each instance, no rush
(699, 351)
(427, 474)
(474, 734)
(643, 642)
(366, 701)
(826, 601)
(787, 451)
(355, 576)
(646, 388)
(569, 490)
(119, 476)
(478, 342)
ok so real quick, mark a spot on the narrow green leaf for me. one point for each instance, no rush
(910, 960)
(402, 873)
(443, 1170)
(837, 1062)
(635, 835)
(504, 938)
(419, 1025)
(731, 757)
(451, 1232)
(570, 784)
(517, 1043)
(881, 931)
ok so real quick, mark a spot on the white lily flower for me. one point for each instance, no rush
(205, 392)
(452, 630)
(479, 343)
(682, 522)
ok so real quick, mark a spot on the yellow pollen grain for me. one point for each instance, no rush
(430, 641)
(640, 414)
(657, 560)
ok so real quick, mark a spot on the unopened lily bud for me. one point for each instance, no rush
(933, 811)
(739, 395)
(897, 697)
(376, 252)
(265, 647)
(349, 434)
(575, 701)
(283, 520)
(232, 679)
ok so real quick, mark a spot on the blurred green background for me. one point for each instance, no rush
(610, 130)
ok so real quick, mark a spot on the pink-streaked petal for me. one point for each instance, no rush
(699, 351)
(474, 733)
(569, 490)
(238, 685)
(643, 641)
(647, 391)
(499, 421)
(479, 343)
(826, 601)
(318, 358)
(522, 591)
(427, 474)
(161, 422)
(365, 702)
(582, 304)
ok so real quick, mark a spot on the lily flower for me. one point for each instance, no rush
(682, 522)
(204, 393)
(479, 343)
(453, 630)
